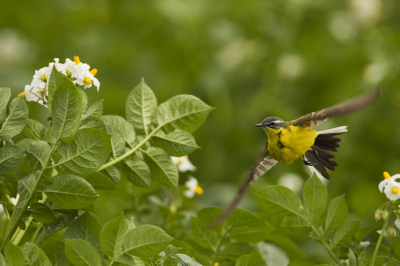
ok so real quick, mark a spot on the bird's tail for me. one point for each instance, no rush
(318, 158)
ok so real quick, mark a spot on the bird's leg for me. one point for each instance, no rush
(307, 162)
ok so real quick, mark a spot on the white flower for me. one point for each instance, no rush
(387, 177)
(79, 73)
(13, 201)
(184, 164)
(76, 67)
(193, 187)
(392, 189)
(34, 94)
(42, 74)
(87, 79)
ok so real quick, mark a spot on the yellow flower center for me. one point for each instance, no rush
(386, 175)
(216, 264)
(88, 81)
(198, 190)
(180, 161)
(44, 77)
(395, 190)
(76, 60)
(93, 72)
(22, 94)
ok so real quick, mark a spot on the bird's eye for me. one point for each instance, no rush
(272, 123)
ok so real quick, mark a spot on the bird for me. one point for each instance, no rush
(290, 140)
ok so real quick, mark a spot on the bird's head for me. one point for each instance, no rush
(271, 122)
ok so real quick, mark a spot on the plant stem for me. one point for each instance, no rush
(220, 245)
(132, 151)
(380, 238)
(328, 248)
(31, 196)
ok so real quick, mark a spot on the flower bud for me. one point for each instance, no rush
(378, 215)
(391, 231)
(385, 214)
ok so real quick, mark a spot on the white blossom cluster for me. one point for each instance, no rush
(79, 72)
(390, 186)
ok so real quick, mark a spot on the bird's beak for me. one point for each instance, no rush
(259, 125)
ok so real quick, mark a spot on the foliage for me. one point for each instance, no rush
(80, 152)
(83, 152)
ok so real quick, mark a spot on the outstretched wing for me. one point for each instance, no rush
(263, 163)
(315, 118)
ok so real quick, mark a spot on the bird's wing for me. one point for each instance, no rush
(263, 163)
(315, 118)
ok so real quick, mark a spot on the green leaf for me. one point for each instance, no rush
(112, 236)
(87, 228)
(396, 245)
(14, 255)
(315, 197)
(41, 213)
(162, 167)
(3, 261)
(25, 144)
(136, 171)
(70, 192)
(38, 154)
(5, 95)
(95, 111)
(248, 227)
(253, 259)
(280, 201)
(208, 214)
(337, 214)
(128, 260)
(117, 125)
(66, 109)
(113, 173)
(56, 80)
(87, 153)
(34, 130)
(9, 182)
(346, 232)
(177, 143)
(34, 256)
(84, 98)
(11, 158)
(146, 241)
(55, 249)
(234, 250)
(25, 186)
(204, 236)
(81, 253)
(296, 225)
(140, 107)
(183, 259)
(16, 119)
(364, 231)
(100, 181)
(185, 112)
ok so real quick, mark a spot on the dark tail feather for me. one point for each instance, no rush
(319, 156)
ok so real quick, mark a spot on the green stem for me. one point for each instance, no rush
(130, 152)
(328, 248)
(380, 238)
(220, 245)
(31, 196)
(35, 235)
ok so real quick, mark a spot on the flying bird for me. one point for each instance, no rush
(290, 140)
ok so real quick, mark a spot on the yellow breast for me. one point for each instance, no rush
(288, 144)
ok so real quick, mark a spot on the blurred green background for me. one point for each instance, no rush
(250, 59)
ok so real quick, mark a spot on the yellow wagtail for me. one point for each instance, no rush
(289, 140)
